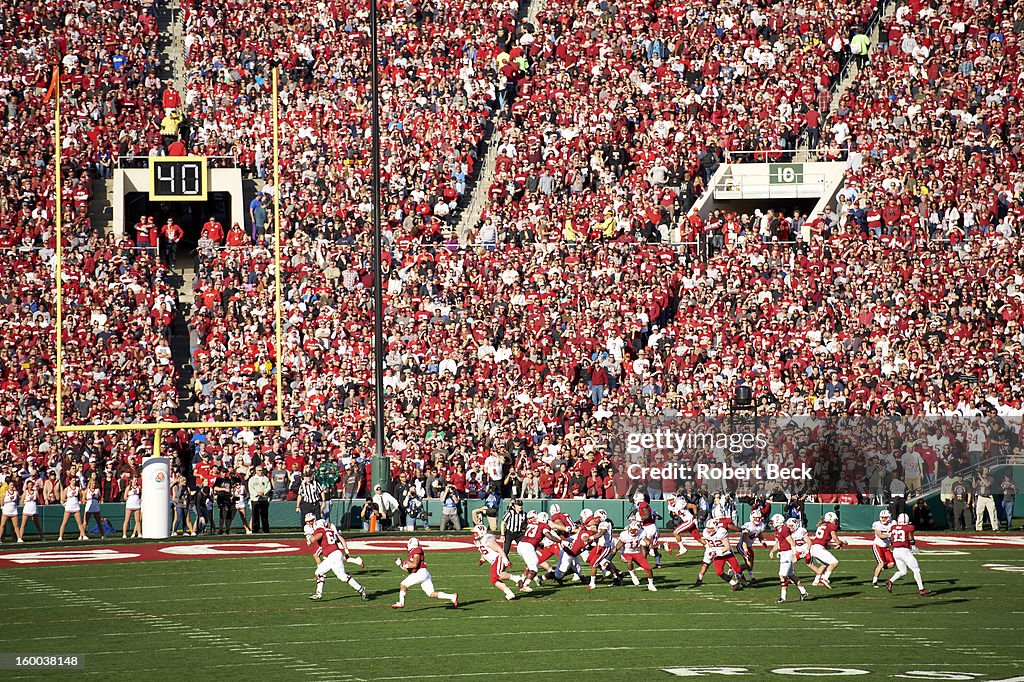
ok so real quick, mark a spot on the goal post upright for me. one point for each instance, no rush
(277, 253)
(58, 251)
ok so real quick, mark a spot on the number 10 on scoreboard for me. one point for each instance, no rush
(178, 178)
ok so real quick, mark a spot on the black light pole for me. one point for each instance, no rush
(380, 466)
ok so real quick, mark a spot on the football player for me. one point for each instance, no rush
(634, 546)
(563, 526)
(882, 545)
(785, 546)
(537, 532)
(600, 556)
(716, 538)
(683, 521)
(750, 532)
(904, 547)
(649, 525)
(327, 541)
(494, 554)
(415, 565)
(574, 545)
(825, 535)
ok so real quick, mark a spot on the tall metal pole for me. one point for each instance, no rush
(380, 466)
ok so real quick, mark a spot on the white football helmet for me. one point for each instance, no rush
(884, 516)
(778, 520)
(531, 516)
(831, 517)
(634, 527)
(638, 498)
(903, 519)
(601, 515)
(793, 523)
(585, 515)
(309, 518)
(554, 509)
(479, 531)
(711, 524)
(756, 517)
(542, 517)
(412, 544)
(669, 497)
(319, 523)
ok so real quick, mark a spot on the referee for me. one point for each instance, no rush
(310, 499)
(514, 524)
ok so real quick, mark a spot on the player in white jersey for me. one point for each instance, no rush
(786, 533)
(682, 519)
(881, 545)
(601, 552)
(493, 553)
(634, 546)
(716, 539)
(750, 532)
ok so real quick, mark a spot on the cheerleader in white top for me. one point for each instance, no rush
(71, 498)
(92, 506)
(238, 493)
(133, 507)
(10, 512)
(30, 507)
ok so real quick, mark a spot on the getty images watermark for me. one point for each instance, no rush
(673, 455)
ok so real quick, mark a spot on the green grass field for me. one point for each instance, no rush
(249, 618)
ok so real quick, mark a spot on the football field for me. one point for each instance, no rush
(249, 617)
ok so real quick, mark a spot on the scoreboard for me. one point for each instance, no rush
(178, 178)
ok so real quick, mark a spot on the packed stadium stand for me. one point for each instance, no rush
(564, 307)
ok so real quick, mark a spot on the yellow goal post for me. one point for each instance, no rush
(159, 427)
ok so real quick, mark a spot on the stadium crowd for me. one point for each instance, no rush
(508, 366)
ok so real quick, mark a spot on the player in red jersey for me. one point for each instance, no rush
(415, 565)
(683, 521)
(562, 524)
(537, 532)
(904, 547)
(326, 541)
(881, 545)
(825, 535)
(785, 547)
(574, 545)
(312, 524)
(649, 524)
(494, 554)
(634, 548)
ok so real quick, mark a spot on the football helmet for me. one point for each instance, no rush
(309, 518)
(319, 523)
(638, 498)
(585, 515)
(601, 515)
(831, 517)
(778, 520)
(412, 544)
(756, 517)
(884, 516)
(479, 531)
(531, 516)
(903, 519)
(711, 524)
(670, 497)
(793, 523)
(542, 517)
(634, 527)
(554, 509)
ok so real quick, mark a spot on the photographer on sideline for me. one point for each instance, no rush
(387, 506)
(450, 503)
(492, 502)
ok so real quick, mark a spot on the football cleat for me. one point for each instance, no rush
(698, 582)
(780, 600)
(816, 582)
(636, 581)
(924, 593)
(508, 597)
(316, 597)
(803, 596)
(652, 588)
(888, 585)
(526, 588)
(363, 595)
(875, 585)
(455, 600)
(396, 605)
(826, 583)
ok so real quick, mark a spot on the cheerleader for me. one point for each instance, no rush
(10, 511)
(92, 506)
(238, 492)
(132, 507)
(30, 507)
(71, 498)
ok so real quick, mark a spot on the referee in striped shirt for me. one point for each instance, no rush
(310, 499)
(514, 524)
